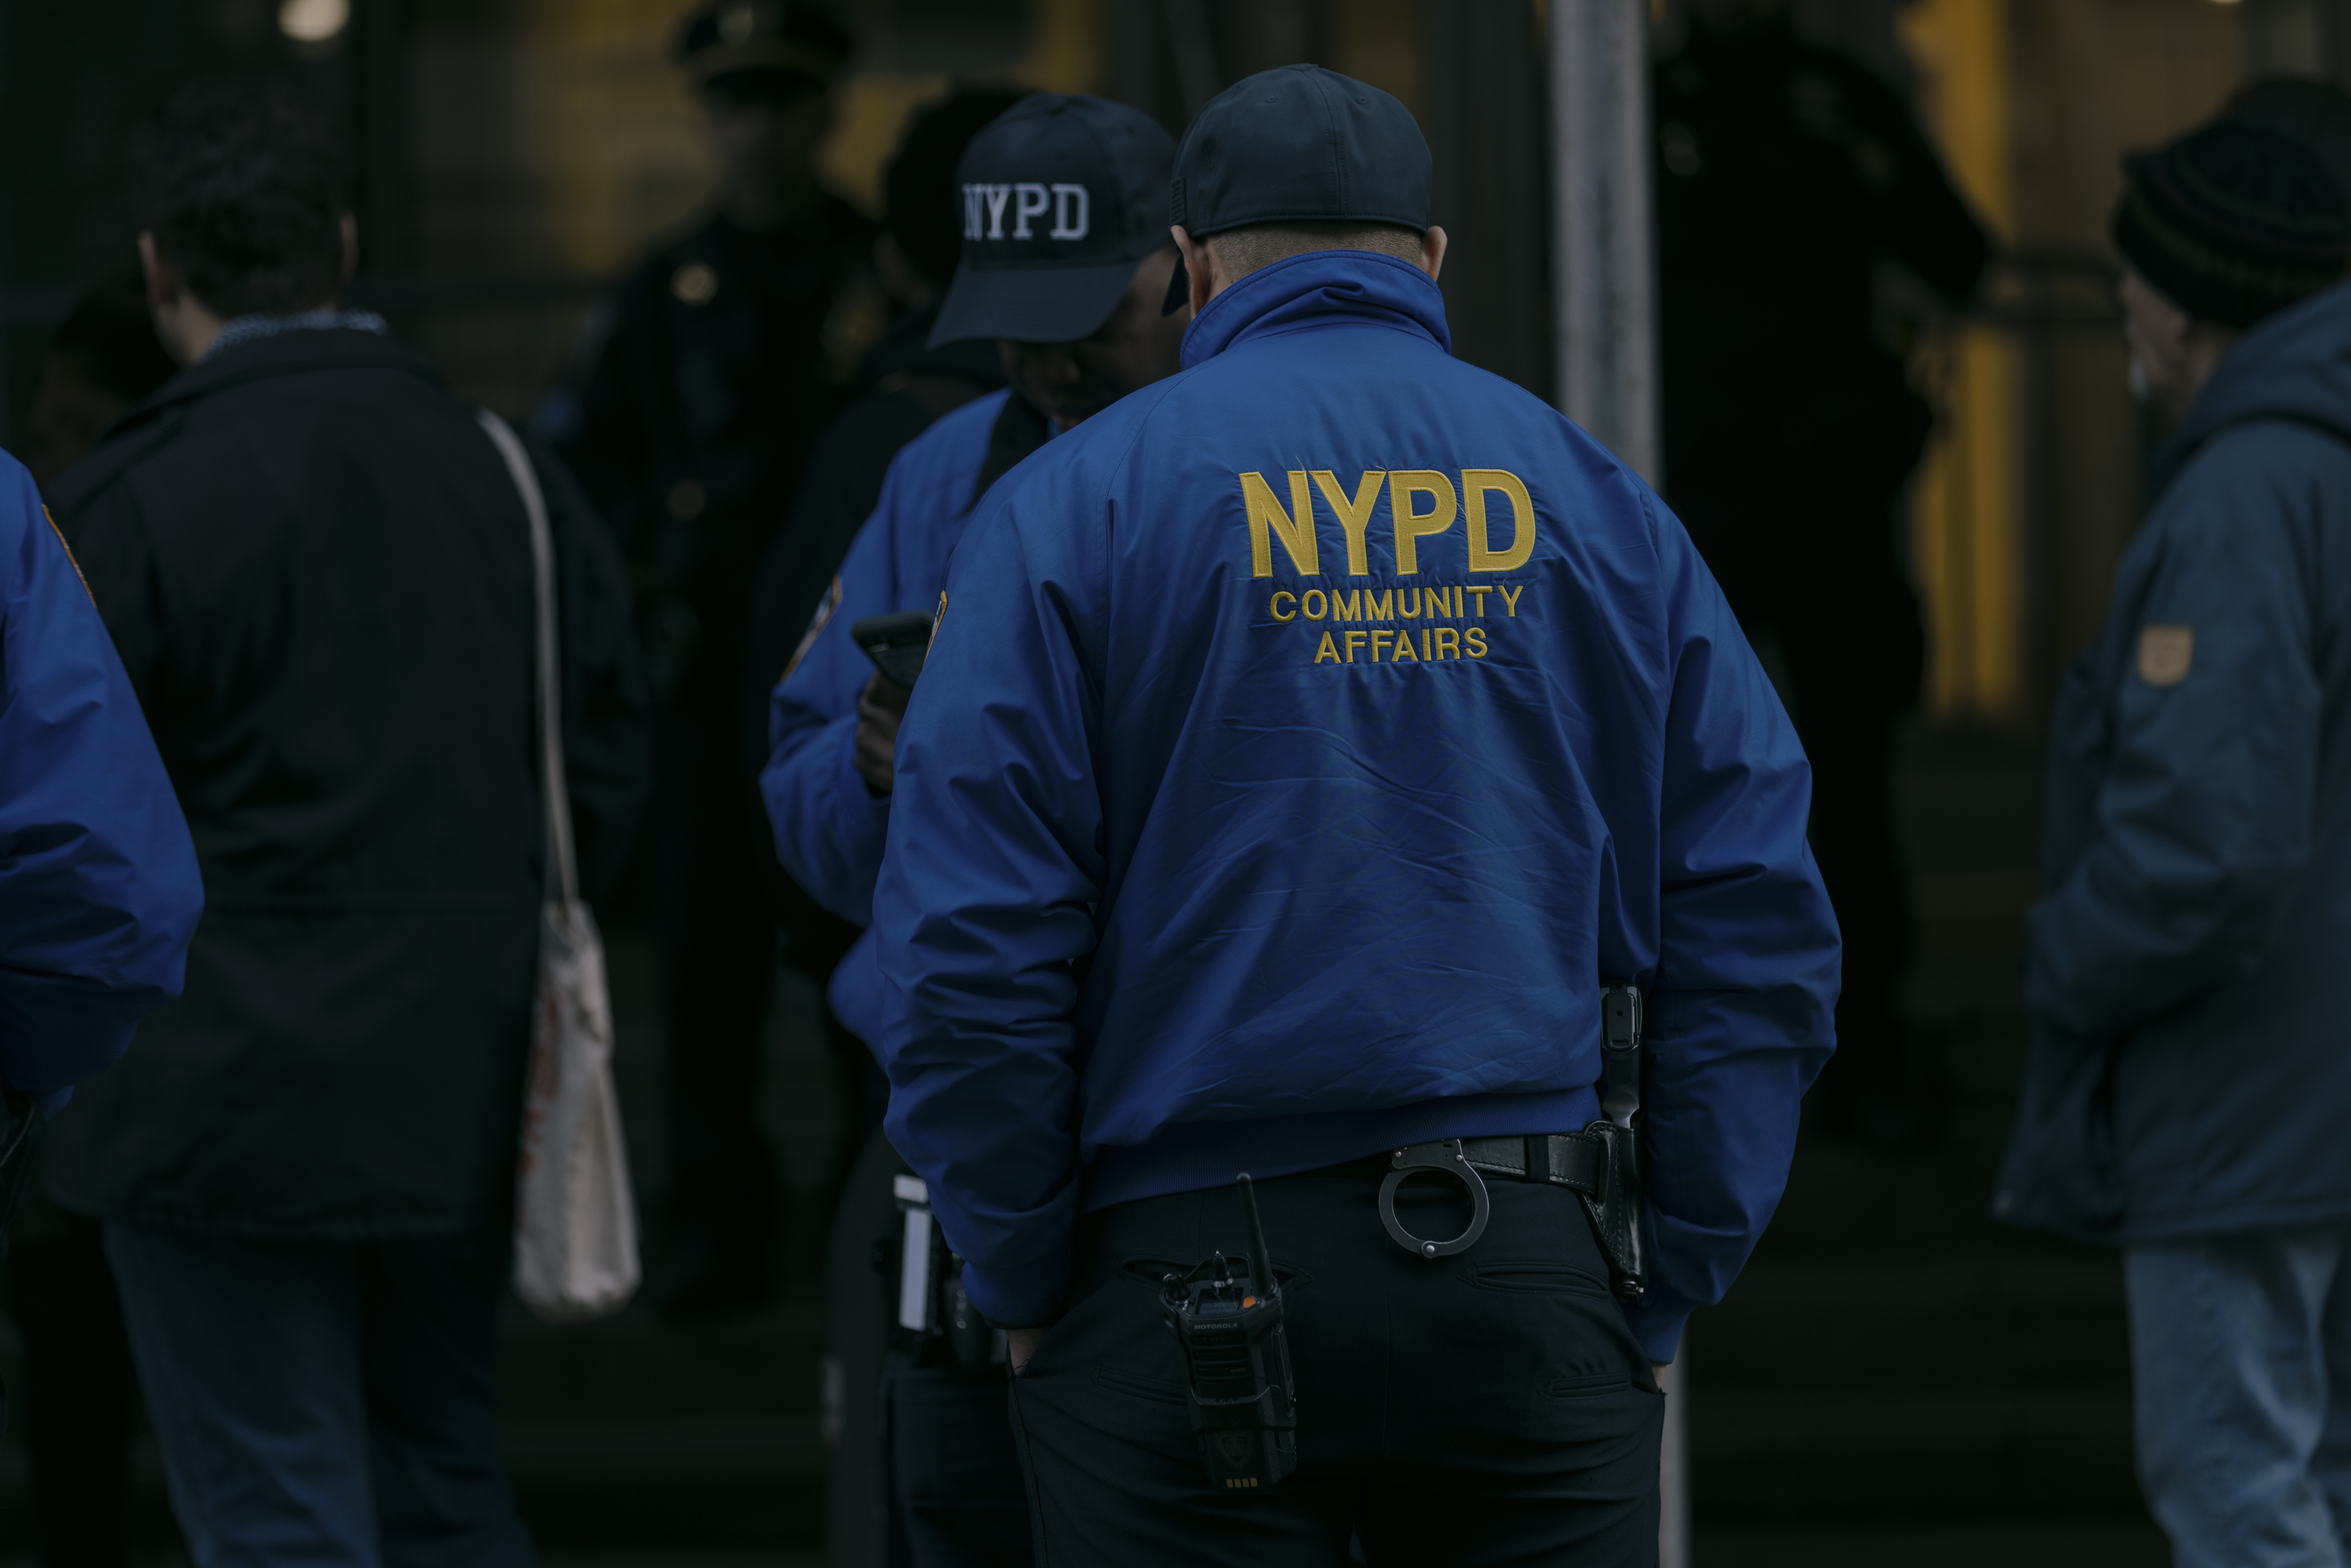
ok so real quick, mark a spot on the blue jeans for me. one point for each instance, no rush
(325, 1405)
(2240, 1363)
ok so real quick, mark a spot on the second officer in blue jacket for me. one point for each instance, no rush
(1066, 263)
(1307, 743)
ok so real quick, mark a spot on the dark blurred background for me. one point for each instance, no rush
(1895, 1378)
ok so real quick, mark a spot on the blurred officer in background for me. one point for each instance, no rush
(81, 1394)
(2188, 1092)
(905, 382)
(318, 571)
(728, 351)
(1068, 297)
(1305, 742)
(1789, 176)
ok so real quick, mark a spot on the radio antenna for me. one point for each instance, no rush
(1260, 1261)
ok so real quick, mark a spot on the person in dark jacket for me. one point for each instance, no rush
(729, 351)
(318, 571)
(2187, 1091)
(1789, 174)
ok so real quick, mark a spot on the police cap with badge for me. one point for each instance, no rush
(1061, 196)
(762, 50)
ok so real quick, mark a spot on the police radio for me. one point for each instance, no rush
(1237, 1363)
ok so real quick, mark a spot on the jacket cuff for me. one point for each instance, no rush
(1658, 1329)
(1018, 1298)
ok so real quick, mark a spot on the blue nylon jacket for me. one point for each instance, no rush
(2186, 980)
(1305, 741)
(828, 827)
(98, 890)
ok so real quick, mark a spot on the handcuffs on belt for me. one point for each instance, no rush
(1600, 1164)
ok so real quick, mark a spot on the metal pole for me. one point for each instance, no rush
(1673, 1468)
(1604, 310)
(1604, 262)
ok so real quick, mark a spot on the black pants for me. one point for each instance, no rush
(1486, 1408)
(955, 1480)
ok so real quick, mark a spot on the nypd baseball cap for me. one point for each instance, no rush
(1060, 195)
(1298, 144)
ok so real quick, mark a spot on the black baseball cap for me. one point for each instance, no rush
(1298, 144)
(1060, 197)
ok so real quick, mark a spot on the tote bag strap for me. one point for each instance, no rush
(562, 873)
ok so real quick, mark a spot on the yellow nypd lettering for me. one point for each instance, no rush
(1382, 608)
(1448, 643)
(1326, 650)
(1347, 606)
(1404, 647)
(1274, 608)
(1481, 589)
(1380, 641)
(1405, 486)
(1510, 597)
(1354, 640)
(1354, 514)
(1475, 637)
(1314, 605)
(1268, 521)
(1476, 485)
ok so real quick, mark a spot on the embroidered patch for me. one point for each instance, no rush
(816, 628)
(2166, 653)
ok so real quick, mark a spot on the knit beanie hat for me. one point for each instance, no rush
(2233, 222)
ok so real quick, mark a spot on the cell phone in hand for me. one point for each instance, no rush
(896, 643)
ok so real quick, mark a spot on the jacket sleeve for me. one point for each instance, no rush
(1741, 1009)
(986, 905)
(607, 740)
(2204, 821)
(828, 826)
(98, 889)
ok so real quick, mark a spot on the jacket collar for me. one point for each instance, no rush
(282, 353)
(1320, 288)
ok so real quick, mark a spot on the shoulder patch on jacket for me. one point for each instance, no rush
(816, 628)
(2166, 653)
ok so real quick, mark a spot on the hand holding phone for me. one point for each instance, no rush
(896, 644)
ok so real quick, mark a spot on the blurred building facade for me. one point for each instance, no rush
(511, 156)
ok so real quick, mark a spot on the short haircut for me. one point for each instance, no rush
(919, 206)
(1243, 250)
(241, 184)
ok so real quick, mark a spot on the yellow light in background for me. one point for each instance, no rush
(1967, 544)
(313, 21)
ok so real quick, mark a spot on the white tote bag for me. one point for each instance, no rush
(575, 1218)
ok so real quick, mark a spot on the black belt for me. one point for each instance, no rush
(1577, 1160)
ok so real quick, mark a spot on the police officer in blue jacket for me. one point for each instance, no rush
(99, 892)
(1066, 266)
(1307, 743)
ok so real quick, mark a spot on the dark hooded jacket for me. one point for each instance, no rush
(318, 571)
(2188, 982)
